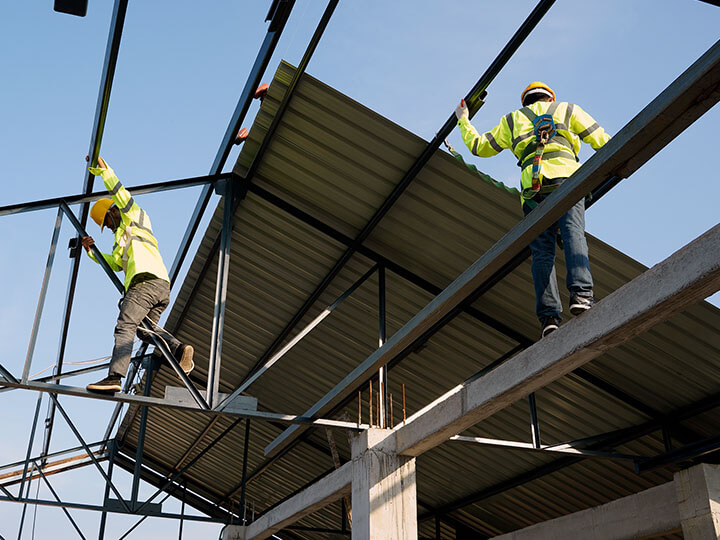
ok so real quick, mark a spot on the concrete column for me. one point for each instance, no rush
(384, 499)
(698, 495)
(233, 532)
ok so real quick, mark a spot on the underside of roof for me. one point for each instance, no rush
(336, 161)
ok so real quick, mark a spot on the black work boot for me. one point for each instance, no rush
(580, 304)
(109, 385)
(549, 325)
(184, 356)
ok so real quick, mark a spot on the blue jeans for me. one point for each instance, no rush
(579, 279)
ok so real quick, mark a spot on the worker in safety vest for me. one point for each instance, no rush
(553, 149)
(147, 284)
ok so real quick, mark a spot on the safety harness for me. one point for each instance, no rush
(545, 130)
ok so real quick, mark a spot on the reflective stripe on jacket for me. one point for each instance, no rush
(515, 132)
(135, 250)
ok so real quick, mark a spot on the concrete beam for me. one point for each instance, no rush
(683, 279)
(325, 491)
(649, 513)
(678, 106)
(698, 496)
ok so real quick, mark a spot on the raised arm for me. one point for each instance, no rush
(488, 144)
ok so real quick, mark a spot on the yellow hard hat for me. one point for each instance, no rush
(538, 87)
(98, 211)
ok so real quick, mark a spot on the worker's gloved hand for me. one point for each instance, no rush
(102, 165)
(86, 242)
(462, 110)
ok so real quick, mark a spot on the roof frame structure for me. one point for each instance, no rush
(685, 100)
(504, 257)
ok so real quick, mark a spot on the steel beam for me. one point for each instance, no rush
(685, 453)
(142, 189)
(114, 509)
(524, 341)
(252, 377)
(604, 441)
(553, 449)
(319, 30)
(474, 99)
(246, 96)
(156, 475)
(111, 54)
(54, 454)
(685, 100)
(120, 397)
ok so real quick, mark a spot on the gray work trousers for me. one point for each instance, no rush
(145, 299)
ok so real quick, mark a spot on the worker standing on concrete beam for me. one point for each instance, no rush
(545, 136)
(147, 284)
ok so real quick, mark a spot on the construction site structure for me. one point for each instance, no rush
(339, 279)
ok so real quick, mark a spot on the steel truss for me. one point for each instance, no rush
(233, 190)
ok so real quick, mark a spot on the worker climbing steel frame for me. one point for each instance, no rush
(245, 184)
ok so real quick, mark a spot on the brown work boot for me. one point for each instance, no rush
(109, 385)
(185, 358)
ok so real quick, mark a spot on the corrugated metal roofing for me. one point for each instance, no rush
(337, 161)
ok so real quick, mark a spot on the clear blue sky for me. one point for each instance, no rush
(182, 65)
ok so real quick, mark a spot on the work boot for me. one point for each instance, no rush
(549, 325)
(580, 304)
(184, 355)
(109, 385)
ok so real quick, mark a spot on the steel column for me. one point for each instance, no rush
(246, 444)
(182, 511)
(111, 53)
(24, 510)
(223, 274)
(141, 434)
(534, 424)
(111, 466)
(43, 294)
(30, 443)
(382, 336)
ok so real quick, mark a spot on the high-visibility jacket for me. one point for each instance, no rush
(135, 250)
(515, 132)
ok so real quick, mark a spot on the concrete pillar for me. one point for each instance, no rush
(233, 532)
(384, 499)
(698, 495)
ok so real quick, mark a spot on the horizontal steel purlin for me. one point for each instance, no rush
(112, 509)
(557, 449)
(155, 187)
(157, 402)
